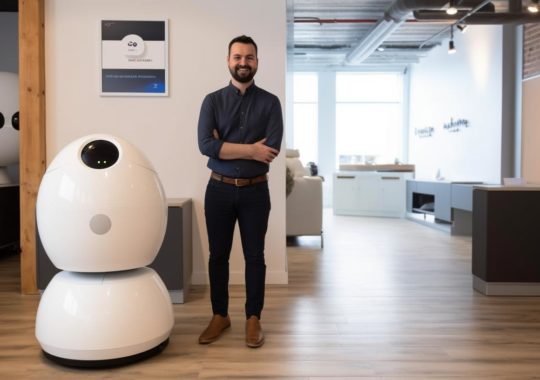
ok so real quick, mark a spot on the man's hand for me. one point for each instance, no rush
(263, 153)
(256, 151)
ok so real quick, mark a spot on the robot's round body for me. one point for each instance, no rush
(91, 319)
(101, 219)
(101, 215)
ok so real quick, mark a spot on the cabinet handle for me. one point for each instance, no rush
(392, 178)
(345, 176)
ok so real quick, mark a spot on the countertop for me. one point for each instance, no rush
(528, 187)
(377, 167)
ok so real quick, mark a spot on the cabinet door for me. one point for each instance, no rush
(367, 192)
(392, 194)
(344, 193)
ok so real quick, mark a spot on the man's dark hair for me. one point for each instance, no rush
(243, 39)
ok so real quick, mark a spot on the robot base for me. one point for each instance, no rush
(109, 363)
(104, 319)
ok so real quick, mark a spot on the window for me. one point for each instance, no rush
(305, 116)
(369, 117)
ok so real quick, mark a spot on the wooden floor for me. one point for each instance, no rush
(386, 298)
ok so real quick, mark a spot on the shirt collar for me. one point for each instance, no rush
(250, 89)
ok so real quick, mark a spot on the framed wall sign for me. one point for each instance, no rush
(134, 58)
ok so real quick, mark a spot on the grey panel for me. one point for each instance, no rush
(44, 266)
(411, 188)
(443, 192)
(168, 262)
(425, 187)
(462, 197)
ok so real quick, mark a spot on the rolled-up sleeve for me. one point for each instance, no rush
(208, 144)
(274, 128)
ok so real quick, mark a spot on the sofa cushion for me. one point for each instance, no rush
(292, 153)
(296, 167)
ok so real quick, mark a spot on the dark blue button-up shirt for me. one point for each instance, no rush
(241, 119)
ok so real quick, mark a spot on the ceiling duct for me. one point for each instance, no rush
(392, 19)
(479, 18)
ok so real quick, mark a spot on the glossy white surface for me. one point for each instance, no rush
(127, 200)
(9, 136)
(90, 316)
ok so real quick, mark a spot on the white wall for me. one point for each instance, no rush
(466, 85)
(530, 157)
(166, 128)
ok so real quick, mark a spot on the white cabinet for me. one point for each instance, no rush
(370, 193)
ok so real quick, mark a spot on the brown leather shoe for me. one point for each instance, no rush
(254, 333)
(216, 326)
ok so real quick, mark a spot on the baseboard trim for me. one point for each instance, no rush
(177, 296)
(506, 288)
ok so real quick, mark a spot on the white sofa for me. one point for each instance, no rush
(305, 202)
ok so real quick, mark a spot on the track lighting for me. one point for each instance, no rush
(451, 46)
(451, 10)
(462, 27)
(533, 6)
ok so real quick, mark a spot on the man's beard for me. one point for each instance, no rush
(244, 78)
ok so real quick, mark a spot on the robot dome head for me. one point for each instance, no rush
(101, 207)
(9, 118)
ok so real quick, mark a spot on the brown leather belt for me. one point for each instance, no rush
(239, 182)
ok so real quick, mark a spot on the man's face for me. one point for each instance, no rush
(242, 62)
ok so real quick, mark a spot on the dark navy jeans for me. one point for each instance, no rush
(224, 205)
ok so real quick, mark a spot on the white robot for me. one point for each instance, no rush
(101, 215)
(9, 123)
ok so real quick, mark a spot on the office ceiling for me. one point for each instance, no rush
(324, 34)
(326, 31)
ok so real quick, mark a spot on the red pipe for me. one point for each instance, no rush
(339, 21)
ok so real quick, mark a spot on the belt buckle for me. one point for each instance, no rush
(236, 182)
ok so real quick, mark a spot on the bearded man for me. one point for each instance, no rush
(240, 129)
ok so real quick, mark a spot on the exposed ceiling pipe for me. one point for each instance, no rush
(400, 9)
(480, 18)
(393, 17)
(316, 20)
(371, 42)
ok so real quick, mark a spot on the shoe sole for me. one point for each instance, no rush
(255, 345)
(208, 341)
